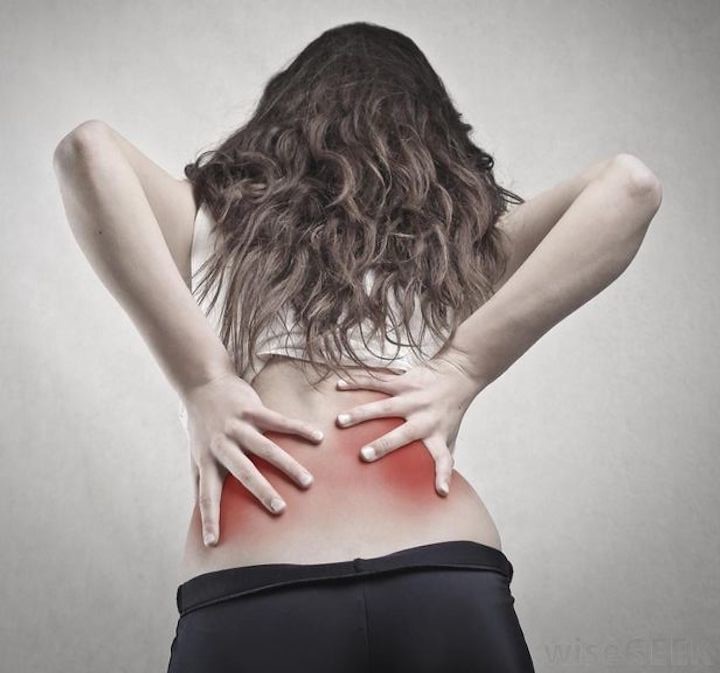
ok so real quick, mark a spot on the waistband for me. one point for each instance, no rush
(221, 585)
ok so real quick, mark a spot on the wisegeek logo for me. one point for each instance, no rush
(667, 653)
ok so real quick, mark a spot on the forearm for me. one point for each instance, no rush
(117, 231)
(590, 246)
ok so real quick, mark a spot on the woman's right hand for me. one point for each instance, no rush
(226, 419)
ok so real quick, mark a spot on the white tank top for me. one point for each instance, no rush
(283, 338)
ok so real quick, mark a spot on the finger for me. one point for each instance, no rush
(391, 406)
(383, 382)
(255, 442)
(444, 463)
(268, 419)
(209, 491)
(243, 469)
(396, 438)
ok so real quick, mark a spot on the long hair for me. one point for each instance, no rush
(355, 160)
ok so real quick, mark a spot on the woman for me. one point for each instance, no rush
(352, 230)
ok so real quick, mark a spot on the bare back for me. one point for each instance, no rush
(353, 509)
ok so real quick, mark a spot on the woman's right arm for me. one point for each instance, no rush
(113, 223)
(110, 213)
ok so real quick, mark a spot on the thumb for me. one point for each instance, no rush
(444, 464)
(209, 492)
(195, 478)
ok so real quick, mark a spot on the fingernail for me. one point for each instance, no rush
(368, 452)
(318, 434)
(306, 479)
(343, 418)
(209, 539)
(444, 489)
(341, 382)
(276, 504)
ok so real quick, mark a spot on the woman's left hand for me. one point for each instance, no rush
(432, 398)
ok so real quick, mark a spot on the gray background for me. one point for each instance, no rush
(597, 452)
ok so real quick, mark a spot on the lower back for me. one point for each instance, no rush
(353, 508)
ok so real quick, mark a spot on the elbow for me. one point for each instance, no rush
(637, 181)
(79, 143)
(640, 191)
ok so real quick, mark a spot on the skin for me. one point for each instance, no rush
(250, 444)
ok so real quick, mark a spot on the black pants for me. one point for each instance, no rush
(442, 607)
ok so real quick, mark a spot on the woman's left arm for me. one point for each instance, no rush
(588, 247)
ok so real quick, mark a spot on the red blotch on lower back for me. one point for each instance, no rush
(344, 482)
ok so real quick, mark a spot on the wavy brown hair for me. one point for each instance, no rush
(355, 158)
